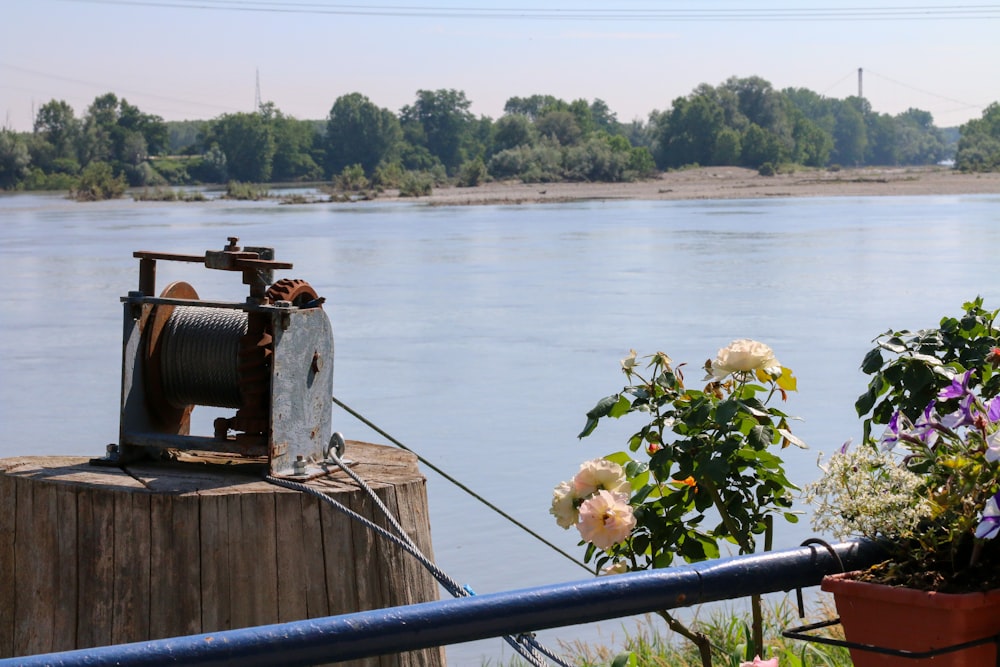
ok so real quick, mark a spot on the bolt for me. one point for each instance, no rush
(233, 240)
(299, 467)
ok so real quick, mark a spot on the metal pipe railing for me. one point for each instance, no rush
(397, 629)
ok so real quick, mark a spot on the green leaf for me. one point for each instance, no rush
(726, 410)
(588, 429)
(872, 362)
(625, 660)
(603, 407)
(867, 400)
(621, 407)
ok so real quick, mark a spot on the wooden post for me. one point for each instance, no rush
(91, 556)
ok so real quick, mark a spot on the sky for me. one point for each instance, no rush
(199, 59)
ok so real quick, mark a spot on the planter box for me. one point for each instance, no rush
(913, 621)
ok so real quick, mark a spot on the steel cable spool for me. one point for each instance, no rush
(199, 363)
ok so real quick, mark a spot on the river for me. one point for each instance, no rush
(480, 336)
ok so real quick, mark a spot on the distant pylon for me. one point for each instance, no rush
(861, 94)
(256, 101)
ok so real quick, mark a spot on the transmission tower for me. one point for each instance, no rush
(256, 101)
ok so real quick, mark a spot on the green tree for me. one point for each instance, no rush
(728, 147)
(849, 134)
(760, 146)
(812, 144)
(603, 117)
(532, 106)
(918, 140)
(979, 143)
(57, 133)
(687, 133)
(513, 130)
(562, 126)
(247, 141)
(293, 143)
(880, 129)
(440, 121)
(359, 132)
(14, 159)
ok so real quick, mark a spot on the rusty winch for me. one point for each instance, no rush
(269, 357)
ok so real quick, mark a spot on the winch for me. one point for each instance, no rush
(269, 357)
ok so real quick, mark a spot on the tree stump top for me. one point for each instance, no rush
(380, 466)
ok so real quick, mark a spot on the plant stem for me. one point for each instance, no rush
(699, 639)
(727, 519)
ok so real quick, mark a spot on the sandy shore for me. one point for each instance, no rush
(730, 183)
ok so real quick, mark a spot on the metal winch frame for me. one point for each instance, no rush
(270, 357)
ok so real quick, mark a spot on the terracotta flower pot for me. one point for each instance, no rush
(916, 621)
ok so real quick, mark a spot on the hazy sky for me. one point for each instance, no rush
(198, 59)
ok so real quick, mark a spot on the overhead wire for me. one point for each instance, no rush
(535, 13)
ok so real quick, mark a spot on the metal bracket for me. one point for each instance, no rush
(800, 633)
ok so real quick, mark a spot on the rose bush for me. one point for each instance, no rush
(701, 470)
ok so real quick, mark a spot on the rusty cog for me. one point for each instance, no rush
(298, 292)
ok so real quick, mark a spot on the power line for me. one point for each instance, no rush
(965, 105)
(767, 14)
(119, 91)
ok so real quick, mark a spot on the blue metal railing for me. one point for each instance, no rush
(429, 624)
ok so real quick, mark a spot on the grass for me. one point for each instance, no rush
(653, 645)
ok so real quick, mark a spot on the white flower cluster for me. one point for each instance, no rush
(865, 492)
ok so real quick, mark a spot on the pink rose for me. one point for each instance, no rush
(606, 519)
(757, 662)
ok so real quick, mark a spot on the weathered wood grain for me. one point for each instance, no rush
(101, 555)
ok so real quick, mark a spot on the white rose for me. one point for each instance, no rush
(597, 475)
(745, 356)
(564, 505)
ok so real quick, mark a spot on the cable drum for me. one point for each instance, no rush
(200, 358)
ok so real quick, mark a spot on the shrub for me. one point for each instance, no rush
(351, 178)
(472, 173)
(245, 191)
(98, 182)
(766, 169)
(416, 184)
(388, 175)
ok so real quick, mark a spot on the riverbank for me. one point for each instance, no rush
(730, 183)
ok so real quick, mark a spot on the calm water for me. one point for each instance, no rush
(479, 336)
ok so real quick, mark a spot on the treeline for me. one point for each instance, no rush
(436, 139)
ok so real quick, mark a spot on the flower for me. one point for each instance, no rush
(606, 519)
(629, 363)
(757, 662)
(989, 526)
(618, 567)
(701, 472)
(745, 356)
(597, 475)
(930, 484)
(564, 507)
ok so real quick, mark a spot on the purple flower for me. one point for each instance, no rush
(924, 426)
(961, 417)
(891, 434)
(989, 526)
(956, 388)
(993, 409)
